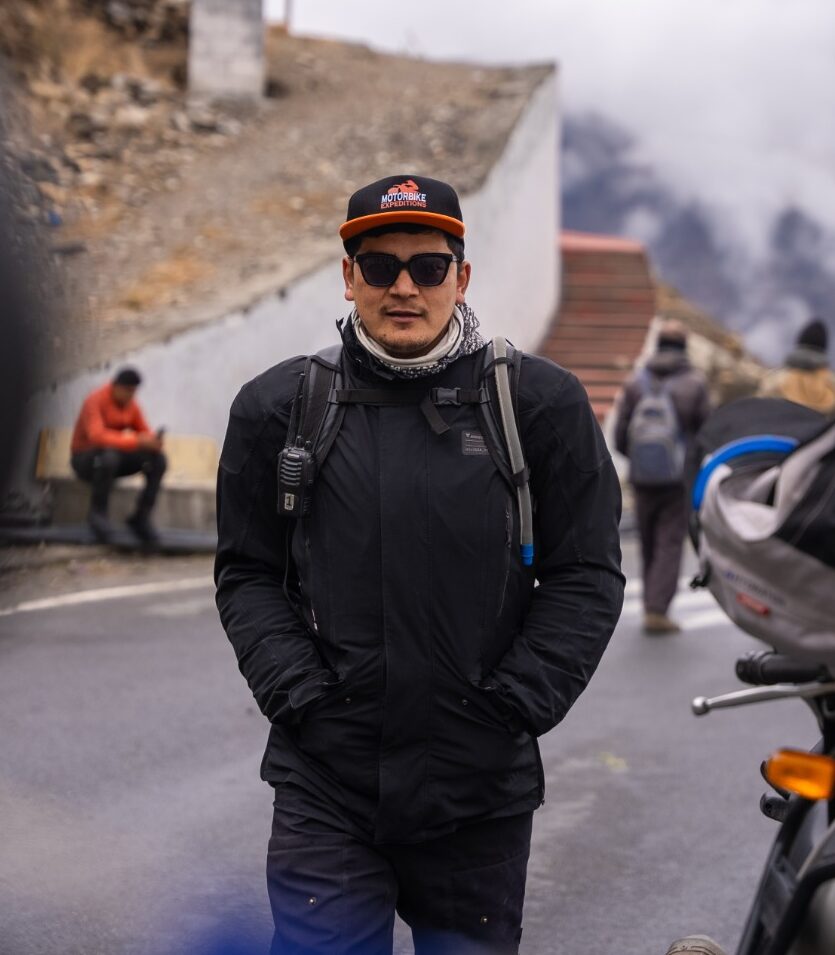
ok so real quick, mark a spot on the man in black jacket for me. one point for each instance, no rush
(394, 638)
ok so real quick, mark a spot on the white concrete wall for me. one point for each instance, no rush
(512, 228)
(226, 48)
(191, 379)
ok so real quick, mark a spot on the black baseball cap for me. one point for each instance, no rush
(413, 199)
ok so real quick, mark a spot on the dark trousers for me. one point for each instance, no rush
(100, 467)
(662, 525)
(333, 894)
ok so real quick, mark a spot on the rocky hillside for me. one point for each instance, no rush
(165, 212)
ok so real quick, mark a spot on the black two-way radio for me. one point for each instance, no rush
(296, 464)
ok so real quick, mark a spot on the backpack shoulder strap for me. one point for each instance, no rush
(326, 381)
(489, 419)
(319, 418)
(508, 413)
(649, 383)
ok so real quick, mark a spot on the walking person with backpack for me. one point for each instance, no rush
(385, 508)
(660, 410)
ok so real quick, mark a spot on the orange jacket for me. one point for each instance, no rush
(103, 424)
(814, 388)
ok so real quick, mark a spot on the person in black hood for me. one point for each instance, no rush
(393, 636)
(659, 412)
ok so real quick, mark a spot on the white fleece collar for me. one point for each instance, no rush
(448, 345)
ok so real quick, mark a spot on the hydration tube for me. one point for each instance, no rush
(514, 447)
(756, 444)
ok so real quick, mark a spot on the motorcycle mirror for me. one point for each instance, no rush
(809, 775)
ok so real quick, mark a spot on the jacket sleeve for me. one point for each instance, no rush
(97, 432)
(576, 606)
(276, 653)
(139, 423)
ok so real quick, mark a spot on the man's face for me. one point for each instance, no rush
(405, 318)
(122, 394)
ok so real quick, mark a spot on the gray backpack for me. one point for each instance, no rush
(654, 439)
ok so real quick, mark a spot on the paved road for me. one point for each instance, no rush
(132, 820)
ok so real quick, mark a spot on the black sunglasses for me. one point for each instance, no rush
(381, 269)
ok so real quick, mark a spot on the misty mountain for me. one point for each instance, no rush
(766, 294)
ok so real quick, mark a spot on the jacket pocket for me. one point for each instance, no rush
(495, 704)
(314, 688)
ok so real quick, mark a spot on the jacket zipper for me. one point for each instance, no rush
(508, 546)
(540, 770)
(309, 576)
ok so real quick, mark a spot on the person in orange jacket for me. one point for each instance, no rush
(112, 439)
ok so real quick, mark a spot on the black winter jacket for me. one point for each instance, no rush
(406, 698)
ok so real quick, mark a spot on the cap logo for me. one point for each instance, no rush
(404, 195)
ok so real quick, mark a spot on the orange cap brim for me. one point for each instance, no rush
(432, 220)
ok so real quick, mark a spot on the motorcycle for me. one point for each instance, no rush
(793, 912)
(763, 525)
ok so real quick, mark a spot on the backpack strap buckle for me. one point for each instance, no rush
(459, 396)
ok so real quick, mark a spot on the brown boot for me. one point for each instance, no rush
(695, 945)
(659, 623)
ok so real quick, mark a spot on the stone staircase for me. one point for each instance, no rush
(608, 303)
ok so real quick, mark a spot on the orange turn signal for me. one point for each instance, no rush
(808, 774)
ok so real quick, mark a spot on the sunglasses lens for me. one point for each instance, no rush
(379, 270)
(429, 269)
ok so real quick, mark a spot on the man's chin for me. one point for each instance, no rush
(398, 348)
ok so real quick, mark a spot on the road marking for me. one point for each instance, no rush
(109, 593)
(694, 609)
(633, 585)
(708, 618)
(184, 607)
(697, 600)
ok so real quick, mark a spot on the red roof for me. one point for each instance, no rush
(587, 241)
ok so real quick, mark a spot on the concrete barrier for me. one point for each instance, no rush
(186, 500)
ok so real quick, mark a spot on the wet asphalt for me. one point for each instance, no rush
(133, 821)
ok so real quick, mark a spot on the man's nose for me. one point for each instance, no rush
(404, 285)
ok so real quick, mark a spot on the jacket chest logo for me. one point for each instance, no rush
(472, 443)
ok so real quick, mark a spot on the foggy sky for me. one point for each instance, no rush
(732, 101)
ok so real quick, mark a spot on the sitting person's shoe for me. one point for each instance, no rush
(695, 945)
(141, 525)
(658, 623)
(100, 526)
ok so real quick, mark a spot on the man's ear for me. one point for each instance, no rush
(462, 280)
(348, 276)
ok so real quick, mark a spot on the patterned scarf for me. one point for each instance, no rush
(468, 341)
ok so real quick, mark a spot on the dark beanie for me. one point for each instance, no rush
(128, 376)
(813, 335)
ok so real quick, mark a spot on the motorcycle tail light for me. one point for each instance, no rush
(810, 775)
